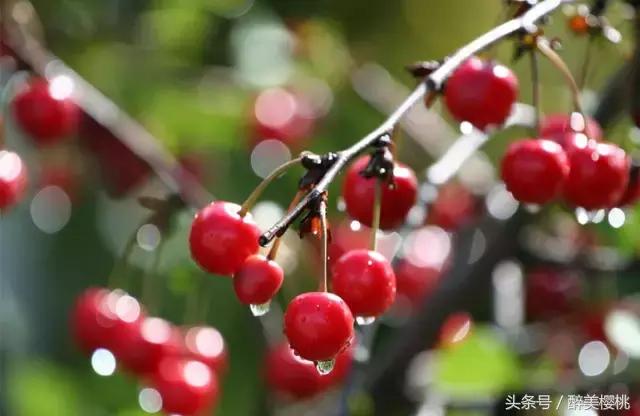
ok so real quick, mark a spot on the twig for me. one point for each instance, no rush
(433, 82)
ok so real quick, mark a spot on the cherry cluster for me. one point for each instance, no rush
(184, 365)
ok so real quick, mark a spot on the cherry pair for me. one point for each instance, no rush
(182, 367)
(585, 172)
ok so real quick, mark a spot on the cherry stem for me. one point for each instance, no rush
(543, 46)
(535, 95)
(322, 211)
(275, 174)
(276, 243)
(584, 71)
(115, 278)
(433, 83)
(377, 207)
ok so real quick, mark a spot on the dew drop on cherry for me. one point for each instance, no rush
(325, 367)
(365, 320)
(260, 310)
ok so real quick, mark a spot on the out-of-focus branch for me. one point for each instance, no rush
(99, 107)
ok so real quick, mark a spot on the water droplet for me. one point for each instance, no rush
(325, 367)
(532, 208)
(259, 310)
(596, 216)
(365, 320)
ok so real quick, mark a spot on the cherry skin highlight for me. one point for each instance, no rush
(221, 240)
(319, 325)
(44, 114)
(142, 348)
(397, 200)
(187, 387)
(534, 171)
(258, 280)
(556, 126)
(13, 179)
(366, 282)
(481, 92)
(598, 176)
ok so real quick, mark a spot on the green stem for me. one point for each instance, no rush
(276, 243)
(325, 243)
(535, 81)
(253, 197)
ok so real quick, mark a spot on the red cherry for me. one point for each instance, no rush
(551, 293)
(187, 387)
(481, 93)
(397, 200)
(221, 240)
(283, 115)
(415, 282)
(13, 179)
(534, 170)
(103, 319)
(318, 325)
(366, 282)
(295, 377)
(141, 347)
(206, 344)
(257, 280)
(45, 112)
(290, 375)
(454, 329)
(454, 207)
(598, 176)
(556, 126)
(632, 193)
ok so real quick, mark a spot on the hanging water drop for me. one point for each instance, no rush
(365, 320)
(325, 367)
(596, 216)
(259, 310)
(532, 208)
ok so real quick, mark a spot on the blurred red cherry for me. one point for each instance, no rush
(551, 293)
(283, 115)
(454, 207)
(44, 110)
(187, 387)
(632, 193)
(455, 329)
(13, 179)
(61, 176)
(556, 126)
(347, 235)
(206, 344)
(415, 282)
(141, 347)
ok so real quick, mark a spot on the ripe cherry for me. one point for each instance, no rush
(103, 319)
(366, 282)
(481, 92)
(45, 111)
(551, 293)
(534, 171)
(319, 325)
(13, 179)
(297, 378)
(454, 207)
(397, 200)
(206, 344)
(598, 176)
(257, 280)
(187, 387)
(141, 347)
(221, 240)
(556, 126)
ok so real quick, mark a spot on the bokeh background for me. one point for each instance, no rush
(201, 75)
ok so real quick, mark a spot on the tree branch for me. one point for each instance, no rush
(433, 82)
